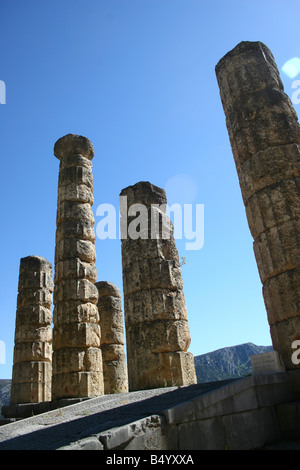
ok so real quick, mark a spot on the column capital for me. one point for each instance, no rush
(72, 144)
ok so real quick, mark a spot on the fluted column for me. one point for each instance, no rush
(265, 135)
(77, 363)
(31, 378)
(157, 330)
(112, 338)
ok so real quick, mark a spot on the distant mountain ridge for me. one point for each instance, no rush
(225, 363)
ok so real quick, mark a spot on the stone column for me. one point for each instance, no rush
(112, 338)
(77, 363)
(265, 135)
(32, 368)
(157, 330)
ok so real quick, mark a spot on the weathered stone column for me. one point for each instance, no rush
(112, 338)
(265, 135)
(157, 330)
(32, 368)
(77, 363)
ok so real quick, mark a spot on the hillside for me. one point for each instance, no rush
(4, 392)
(227, 363)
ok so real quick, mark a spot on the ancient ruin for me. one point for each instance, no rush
(265, 135)
(157, 330)
(112, 338)
(77, 362)
(32, 368)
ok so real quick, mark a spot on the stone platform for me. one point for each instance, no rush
(250, 413)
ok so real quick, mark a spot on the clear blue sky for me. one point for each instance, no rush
(137, 78)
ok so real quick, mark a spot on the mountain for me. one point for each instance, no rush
(226, 363)
(5, 385)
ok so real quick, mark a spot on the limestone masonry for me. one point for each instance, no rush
(77, 362)
(32, 369)
(265, 135)
(157, 330)
(112, 338)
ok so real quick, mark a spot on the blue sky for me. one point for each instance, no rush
(137, 78)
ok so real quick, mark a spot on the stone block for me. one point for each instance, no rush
(282, 296)
(77, 384)
(152, 274)
(34, 315)
(115, 375)
(251, 429)
(76, 335)
(158, 370)
(71, 210)
(80, 229)
(139, 249)
(273, 206)
(69, 248)
(113, 352)
(34, 297)
(75, 289)
(74, 268)
(76, 174)
(249, 67)
(78, 360)
(74, 311)
(32, 372)
(267, 363)
(253, 106)
(208, 434)
(159, 336)
(79, 193)
(267, 168)
(33, 351)
(33, 333)
(152, 305)
(277, 249)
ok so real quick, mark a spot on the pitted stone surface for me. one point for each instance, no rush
(32, 368)
(265, 138)
(157, 330)
(77, 362)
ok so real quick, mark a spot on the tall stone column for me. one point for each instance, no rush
(265, 135)
(112, 338)
(77, 363)
(32, 368)
(157, 330)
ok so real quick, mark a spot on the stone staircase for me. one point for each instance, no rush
(258, 412)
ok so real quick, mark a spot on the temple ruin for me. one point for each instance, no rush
(88, 357)
(77, 362)
(112, 338)
(157, 330)
(32, 368)
(265, 135)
